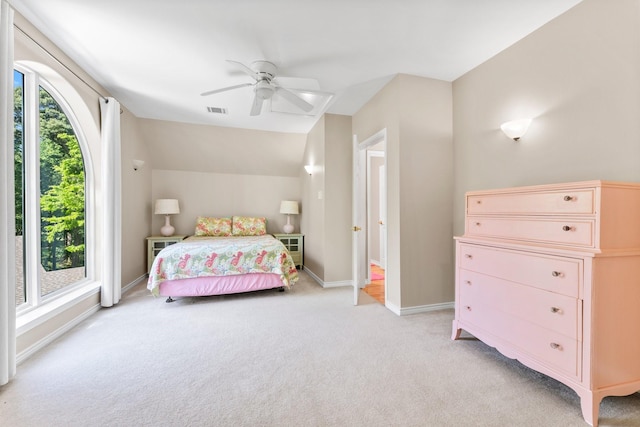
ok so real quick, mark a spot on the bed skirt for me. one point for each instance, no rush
(219, 285)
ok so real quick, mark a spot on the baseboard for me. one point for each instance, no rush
(35, 347)
(135, 282)
(400, 311)
(324, 284)
(405, 311)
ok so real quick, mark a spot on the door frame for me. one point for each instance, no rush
(359, 208)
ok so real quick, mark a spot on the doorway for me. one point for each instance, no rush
(369, 212)
(376, 223)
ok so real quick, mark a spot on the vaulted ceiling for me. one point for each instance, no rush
(157, 57)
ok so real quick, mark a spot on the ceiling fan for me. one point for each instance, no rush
(265, 85)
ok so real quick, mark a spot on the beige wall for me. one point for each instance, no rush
(313, 202)
(337, 197)
(222, 195)
(417, 115)
(201, 148)
(326, 200)
(215, 171)
(578, 77)
(136, 187)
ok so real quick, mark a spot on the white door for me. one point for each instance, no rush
(358, 219)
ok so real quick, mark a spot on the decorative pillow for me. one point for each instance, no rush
(208, 226)
(249, 226)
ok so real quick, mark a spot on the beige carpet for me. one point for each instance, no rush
(307, 357)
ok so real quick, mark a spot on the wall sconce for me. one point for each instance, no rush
(515, 129)
(167, 207)
(308, 168)
(137, 164)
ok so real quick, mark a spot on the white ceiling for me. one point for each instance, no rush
(156, 57)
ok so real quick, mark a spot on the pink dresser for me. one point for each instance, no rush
(550, 275)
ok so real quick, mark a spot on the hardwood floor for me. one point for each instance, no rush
(376, 288)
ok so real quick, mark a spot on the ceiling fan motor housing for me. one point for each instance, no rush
(265, 69)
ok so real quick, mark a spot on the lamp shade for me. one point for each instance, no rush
(289, 207)
(167, 207)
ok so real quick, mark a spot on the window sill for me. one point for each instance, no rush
(32, 318)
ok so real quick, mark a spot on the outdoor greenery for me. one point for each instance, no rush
(62, 199)
(18, 141)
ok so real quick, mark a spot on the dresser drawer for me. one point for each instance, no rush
(555, 274)
(580, 201)
(557, 351)
(553, 311)
(557, 231)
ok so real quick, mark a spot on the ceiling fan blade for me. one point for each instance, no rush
(224, 89)
(244, 68)
(256, 108)
(294, 99)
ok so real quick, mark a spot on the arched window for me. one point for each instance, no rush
(50, 182)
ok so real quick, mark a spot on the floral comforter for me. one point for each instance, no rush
(222, 256)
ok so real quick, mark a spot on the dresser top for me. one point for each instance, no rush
(560, 187)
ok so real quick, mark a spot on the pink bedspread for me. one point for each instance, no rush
(222, 256)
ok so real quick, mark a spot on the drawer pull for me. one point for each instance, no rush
(556, 273)
(468, 282)
(555, 310)
(567, 228)
(478, 224)
(468, 307)
(468, 256)
(478, 202)
(568, 198)
(555, 346)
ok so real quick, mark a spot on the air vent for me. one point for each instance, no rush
(217, 110)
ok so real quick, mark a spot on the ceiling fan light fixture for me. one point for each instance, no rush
(264, 90)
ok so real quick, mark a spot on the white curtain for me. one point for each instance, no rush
(111, 201)
(7, 206)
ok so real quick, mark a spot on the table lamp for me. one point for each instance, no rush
(167, 207)
(289, 208)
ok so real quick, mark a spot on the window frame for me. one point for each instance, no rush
(36, 305)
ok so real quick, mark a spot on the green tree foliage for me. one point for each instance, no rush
(62, 200)
(17, 153)
(65, 201)
(53, 125)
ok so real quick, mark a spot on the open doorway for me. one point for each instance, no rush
(363, 223)
(376, 222)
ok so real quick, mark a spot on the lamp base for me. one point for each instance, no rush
(167, 229)
(288, 228)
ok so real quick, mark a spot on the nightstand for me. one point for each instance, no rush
(295, 245)
(156, 243)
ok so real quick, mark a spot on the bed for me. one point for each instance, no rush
(219, 263)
